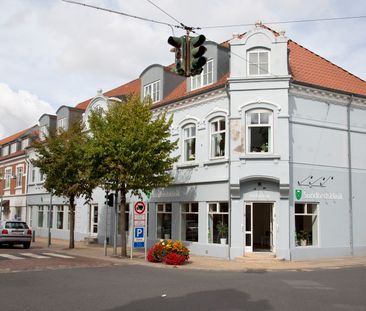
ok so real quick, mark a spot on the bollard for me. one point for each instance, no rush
(33, 235)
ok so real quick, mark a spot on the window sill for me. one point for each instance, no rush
(260, 155)
(187, 165)
(216, 161)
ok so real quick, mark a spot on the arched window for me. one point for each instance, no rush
(218, 137)
(259, 129)
(258, 62)
(189, 142)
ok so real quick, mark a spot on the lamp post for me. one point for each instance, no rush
(49, 221)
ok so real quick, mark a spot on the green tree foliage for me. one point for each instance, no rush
(61, 157)
(130, 150)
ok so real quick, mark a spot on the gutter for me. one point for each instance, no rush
(350, 186)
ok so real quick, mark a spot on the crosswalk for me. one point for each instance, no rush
(22, 256)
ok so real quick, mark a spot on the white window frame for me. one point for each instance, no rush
(217, 211)
(153, 90)
(257, 64)
(60, 212)
(40, 216)
(7, 177)
(309, 214)
(198, 81)
(25, 143)
(19, 176)
(218, 132)
(164, 208)
(43, 132)
(187, 137)
(249, 126)
(5, 150)
(13, 148)
(189, 212)
(61, 123)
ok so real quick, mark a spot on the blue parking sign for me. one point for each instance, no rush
(139, 233)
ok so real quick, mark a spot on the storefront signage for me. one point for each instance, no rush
(304, 195)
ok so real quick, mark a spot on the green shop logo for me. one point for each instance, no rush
(298, 194)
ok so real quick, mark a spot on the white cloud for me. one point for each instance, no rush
(19, 110)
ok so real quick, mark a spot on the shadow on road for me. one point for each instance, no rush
(227, 299)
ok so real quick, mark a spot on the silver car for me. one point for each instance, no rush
(15, 232)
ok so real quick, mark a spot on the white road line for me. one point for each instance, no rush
(57, 255)
(8, 256)
(33, 255)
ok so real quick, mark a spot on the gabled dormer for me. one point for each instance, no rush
(67, 115)
(158, 82)
(216, 67)
(259, 53)
(47, 123)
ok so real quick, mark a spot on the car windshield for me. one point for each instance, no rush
(16, 225)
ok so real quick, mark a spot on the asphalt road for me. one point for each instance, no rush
(129, 287)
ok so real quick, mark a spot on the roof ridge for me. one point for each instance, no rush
(328, 61)
(14, 136)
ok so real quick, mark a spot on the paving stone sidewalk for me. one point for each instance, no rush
(259, 263)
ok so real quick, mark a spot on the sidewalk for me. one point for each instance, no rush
(258, 263)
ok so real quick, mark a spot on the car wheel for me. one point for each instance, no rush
(26, 245)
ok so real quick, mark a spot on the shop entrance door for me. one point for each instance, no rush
(94, 217)
(258, 227)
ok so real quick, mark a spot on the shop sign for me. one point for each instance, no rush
(304, 195)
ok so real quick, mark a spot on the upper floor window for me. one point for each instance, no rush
(259, 130)
(258, 62)
(61, 123)
(43, 132)
(218, 130)
(205, 78)
(189, 142)
(5, 151)
(153, 90)
(25, 143)
(13, 148)
(19, 176)
(7, 177)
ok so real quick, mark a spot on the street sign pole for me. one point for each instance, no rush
(115, 226)
(133, 232)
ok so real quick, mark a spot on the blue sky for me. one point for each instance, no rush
(54, 53)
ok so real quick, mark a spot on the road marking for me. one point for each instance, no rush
(307, 284)
(33, 255)
(8, 256)
(57, 255)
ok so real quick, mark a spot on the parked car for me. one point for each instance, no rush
(15, 232)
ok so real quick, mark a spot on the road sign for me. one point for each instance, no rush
(140, 207)
(139, 237)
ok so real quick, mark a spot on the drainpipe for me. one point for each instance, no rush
(350, 188)
(229, 163)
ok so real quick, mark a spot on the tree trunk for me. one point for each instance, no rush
(72, 221)
(123, 222)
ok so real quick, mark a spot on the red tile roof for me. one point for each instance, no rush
(310, 68)
(14, 136)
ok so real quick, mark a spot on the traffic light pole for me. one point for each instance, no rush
(115, 225)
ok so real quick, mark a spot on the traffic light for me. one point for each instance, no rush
(179, 44)
(196, 50)
(109, 199)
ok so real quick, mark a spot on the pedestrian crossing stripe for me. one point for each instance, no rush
(21, 256)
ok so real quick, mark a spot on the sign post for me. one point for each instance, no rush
(139, 226)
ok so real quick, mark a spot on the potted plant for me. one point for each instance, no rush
(302, 237)
(222, 229)
(264, 147)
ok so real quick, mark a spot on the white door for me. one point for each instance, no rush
(248, 238)
(94, 217)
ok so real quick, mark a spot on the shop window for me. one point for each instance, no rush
(60, 217)
(258, 62)
(259, 131)
(190, 222)
(218, 223)
(306, 224)
(218, 133)
(153, 91)
(189, 142)
(164, 221)
(203, 79)
(40, 216)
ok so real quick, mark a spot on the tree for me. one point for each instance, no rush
(130, 150)
(61, 157)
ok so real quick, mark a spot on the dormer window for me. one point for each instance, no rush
(43, 132)
(205, 78)
(13, 148)
(61, 124)
(153, 90)
(258, 62)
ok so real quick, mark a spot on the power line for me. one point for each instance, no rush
(289, 22)
(172, 17)
(121, 13)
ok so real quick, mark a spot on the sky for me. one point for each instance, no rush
(54, 53)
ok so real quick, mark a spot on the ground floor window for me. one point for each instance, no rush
(50, 219)
(306, 224)
(164, 221)
(190, 222)
(218, 222)
(60, 217)
(40, 216)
